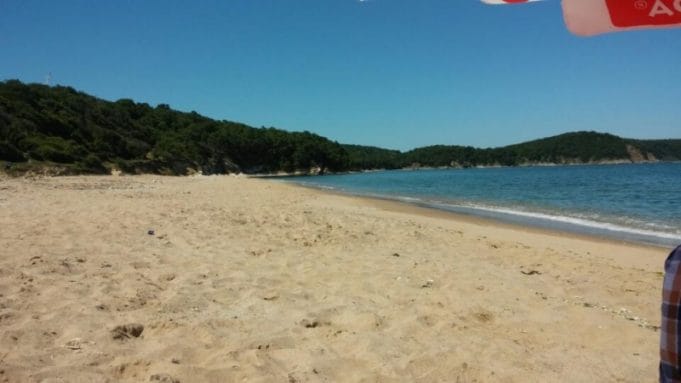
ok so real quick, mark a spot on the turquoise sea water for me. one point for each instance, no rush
(637, 202)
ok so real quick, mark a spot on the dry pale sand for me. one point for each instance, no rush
(249, 280)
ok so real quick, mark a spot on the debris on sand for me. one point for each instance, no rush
(271, 296)
(163, 378)
(74, 344)
(128, 331)
(309, 323)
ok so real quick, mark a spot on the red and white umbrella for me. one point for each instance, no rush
(592, 17)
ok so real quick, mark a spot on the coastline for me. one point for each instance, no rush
(408, 208)
(250, 279)
(636, 225)
(283, 174)
(403, 207)
(539, 225)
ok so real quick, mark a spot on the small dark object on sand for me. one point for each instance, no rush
(396, 255)
(131, 330)
(531, 272)
(163, 378)
(310, 323)
(150, 232)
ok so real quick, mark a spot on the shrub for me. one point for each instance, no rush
(10, 153)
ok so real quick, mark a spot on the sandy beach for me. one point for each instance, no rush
(230, 279)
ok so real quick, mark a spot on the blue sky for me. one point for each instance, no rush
(391, 73)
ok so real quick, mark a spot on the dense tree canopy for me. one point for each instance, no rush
(47, 126)
(569, 148)
(61, 125)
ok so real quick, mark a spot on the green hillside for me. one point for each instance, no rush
(665, 150)
(61, 128)
(58, 125)
(371, 157)
(569, 148)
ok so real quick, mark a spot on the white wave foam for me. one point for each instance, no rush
(500, 212)
(565, 220)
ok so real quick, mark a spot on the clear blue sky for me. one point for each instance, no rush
(391, 73)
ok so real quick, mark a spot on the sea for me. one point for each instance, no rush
(638, 203)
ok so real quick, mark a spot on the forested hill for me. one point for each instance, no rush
(80, 133)
(69, 132)
(569, 148)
